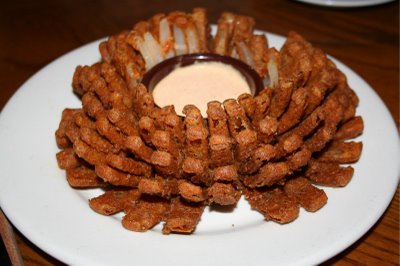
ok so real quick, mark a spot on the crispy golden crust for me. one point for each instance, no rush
(308, 196)
(83, 177)
(67, 159)
(191, 192)
(182, 217)
(158, 186)
(274, 204)
(350, 129)
(329, 174)
(145, 213)
(115, 177)
(67, 117)
(341, 152)
(113, 201)
(223, 194)
(128, 165)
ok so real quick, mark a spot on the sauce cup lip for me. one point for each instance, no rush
(162, 69)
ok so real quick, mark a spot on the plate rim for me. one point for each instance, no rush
(345, 3)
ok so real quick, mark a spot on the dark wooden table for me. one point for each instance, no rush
(33, 33)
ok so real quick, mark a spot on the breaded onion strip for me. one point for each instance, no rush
(89, 154)
(285, 146)
(116, 177)
(274, 204)
(222, 39)
(159, 186)
(221, 155)
(105, 54)
(274, 172)
(174, 125)
(146, 128)
(154, 25)
(329, 174)
(243, 29)
(113, 201)
(109, 131)
(82, 78)
(195, 164)
(124, 120)
(196, 170)
(241, 37)
(166, 38)
(220, 141)
(67, 159)
(329, 114)
(168, 157)
(256, 109)
(100, 88)
(182, 217)
(244, 53)
(247, 102)
(72, 132)
(145, 213)
(128, 61)
(262, 102)
(196, 144)
(350, 129)
(324, 77)
(294, 71)
(96, 141)
(179, 21)
(217, 119)
(81, 119)
(295, 110)
(333, 113)
(92, 106)
(143, 101)
(221, 150)
(163, 141)
(267, 128)
(116, 84)
(258, 45)
(167, 119)
(191, 192)
(128, 165)
(243, 134)
(165, 164)
(246, 144)
(199, 16)
(273, 59)
(192, 37)
(280, 99)
(83, 177)
(136, 145)
(341, 152)
(223, 194)
(225, 174)
(237, 119)
(67, 117)
(143, 41)
(295, 60)
(308, 196)
(349, 98)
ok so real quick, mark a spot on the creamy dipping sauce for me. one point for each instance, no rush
(199, 84)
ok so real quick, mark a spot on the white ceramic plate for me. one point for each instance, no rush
(345, 3)
(36, 197)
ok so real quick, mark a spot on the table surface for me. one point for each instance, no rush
(33, 33)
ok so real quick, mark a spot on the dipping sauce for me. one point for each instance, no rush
(199, 84)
